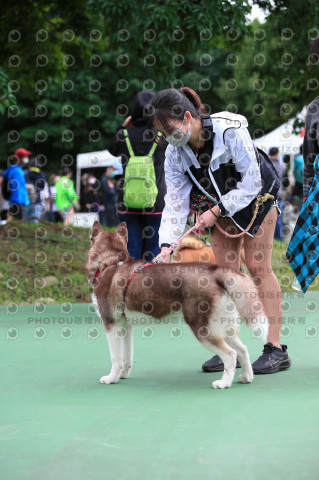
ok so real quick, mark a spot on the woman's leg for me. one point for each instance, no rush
(226, 250)
(258, 252)
(227, 254)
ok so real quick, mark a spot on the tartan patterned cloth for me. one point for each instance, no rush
(303, 248)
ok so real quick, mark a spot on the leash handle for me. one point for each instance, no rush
(260, 199)
(174, 245)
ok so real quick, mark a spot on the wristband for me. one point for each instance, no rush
(165, 245)
(213, 212)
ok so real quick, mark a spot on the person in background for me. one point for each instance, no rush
(66, 198)
(91, 191)
(52, 210)
(44, 199)
(19, 198)
(298, 174)
(109, 215)
(310, 146)
(142, 224)
(3, 202)
(84, 183)
(282, 169)
(23, 156)
(36, 179)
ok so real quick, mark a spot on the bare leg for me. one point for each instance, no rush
(258, 252)
(226, 250)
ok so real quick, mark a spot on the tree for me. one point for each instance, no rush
(43, 39)
(162, 32)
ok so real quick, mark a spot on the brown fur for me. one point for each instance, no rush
(193, 250)
(197, 290)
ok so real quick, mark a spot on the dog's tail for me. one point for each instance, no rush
(244, 294)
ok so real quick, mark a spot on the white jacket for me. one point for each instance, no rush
(231, 141)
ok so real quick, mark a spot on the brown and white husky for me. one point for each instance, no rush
(209, 298)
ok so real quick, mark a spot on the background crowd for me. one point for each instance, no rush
(52, 197)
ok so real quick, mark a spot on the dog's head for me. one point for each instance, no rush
(107, 248)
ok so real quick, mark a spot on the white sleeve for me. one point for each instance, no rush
(176, 210)
(240, 148)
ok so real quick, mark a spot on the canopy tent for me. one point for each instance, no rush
(99, 159)
(283, 138)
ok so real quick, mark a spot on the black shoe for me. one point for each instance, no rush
(272, 360)
(215, 364)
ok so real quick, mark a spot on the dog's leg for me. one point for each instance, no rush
(127, 352)
(247, 374)
(228, 356)
(114, 341)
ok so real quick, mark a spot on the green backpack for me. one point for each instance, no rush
(140, 190)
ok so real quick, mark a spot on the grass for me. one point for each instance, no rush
(30, 253)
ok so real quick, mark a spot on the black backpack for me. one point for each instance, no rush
(5, 187)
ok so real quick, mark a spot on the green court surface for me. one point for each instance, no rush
(165, 421)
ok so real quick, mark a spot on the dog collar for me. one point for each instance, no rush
(97, 273)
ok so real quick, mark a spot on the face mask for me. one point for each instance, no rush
(112, 175)
(178, 138)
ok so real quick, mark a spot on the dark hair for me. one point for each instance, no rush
(66, 170)
(172, 104)
(273, 151)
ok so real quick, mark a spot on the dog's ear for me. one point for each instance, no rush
(122, 232)
(96, 229)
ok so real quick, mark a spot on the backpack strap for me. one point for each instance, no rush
(128, 143)
(129, 146)
(151, 152)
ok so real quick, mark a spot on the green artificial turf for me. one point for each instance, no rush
(165, 421)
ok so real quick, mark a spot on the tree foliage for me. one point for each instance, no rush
(163, 32)
(101, 52)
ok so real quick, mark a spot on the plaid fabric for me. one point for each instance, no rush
(303, 248)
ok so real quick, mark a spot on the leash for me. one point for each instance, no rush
(260, 199)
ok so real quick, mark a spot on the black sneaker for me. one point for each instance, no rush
(272, 360)
(215, 364)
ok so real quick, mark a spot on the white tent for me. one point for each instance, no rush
(99, 159)
(283, 138)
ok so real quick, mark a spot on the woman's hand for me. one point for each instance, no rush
(208, 219)
(160, 259)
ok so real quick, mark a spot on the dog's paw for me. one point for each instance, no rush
(221, 384)
(107, 380)
(245, 378)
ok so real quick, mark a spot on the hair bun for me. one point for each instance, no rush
(193, 97)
